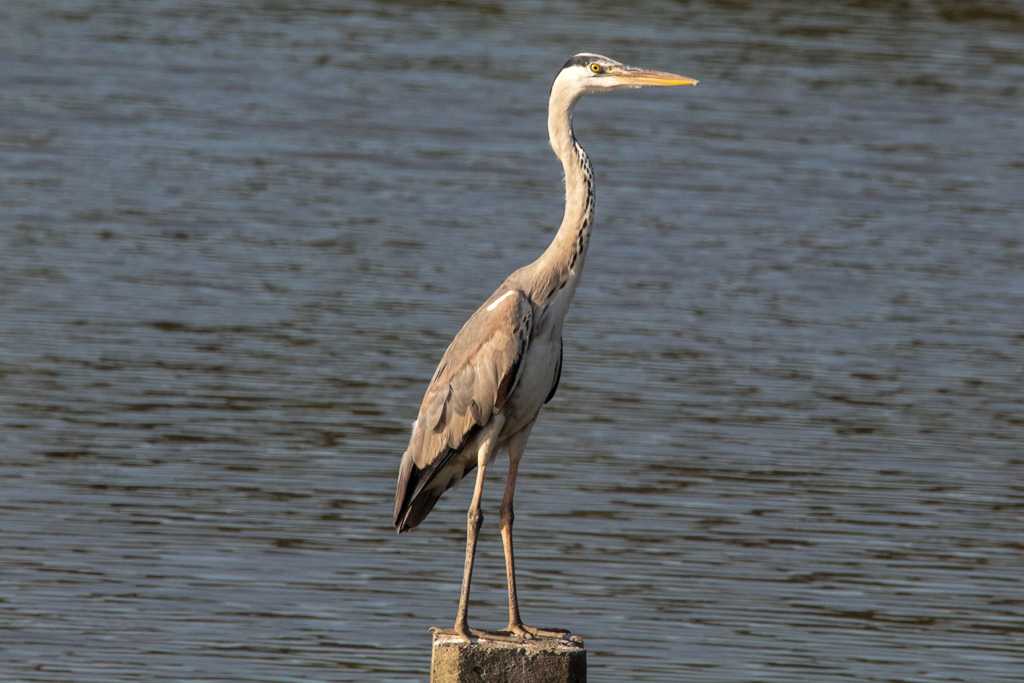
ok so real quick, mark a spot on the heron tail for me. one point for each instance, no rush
(408, 475)
(418, 490)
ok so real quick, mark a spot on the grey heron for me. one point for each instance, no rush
(506, 361)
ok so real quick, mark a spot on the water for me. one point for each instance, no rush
(236, 238)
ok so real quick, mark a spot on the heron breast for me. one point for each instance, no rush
(535, 380)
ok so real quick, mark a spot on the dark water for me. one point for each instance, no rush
(236, 238)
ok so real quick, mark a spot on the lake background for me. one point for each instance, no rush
(235, 239)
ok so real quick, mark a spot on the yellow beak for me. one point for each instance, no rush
(649, 77)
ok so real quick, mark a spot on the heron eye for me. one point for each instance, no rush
(596, 68)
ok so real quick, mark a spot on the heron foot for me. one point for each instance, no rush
(535, 632)
(460, 631)
(518, 633)
(463, 633)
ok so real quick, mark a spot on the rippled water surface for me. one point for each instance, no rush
(235, 239)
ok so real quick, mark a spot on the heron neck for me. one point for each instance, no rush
(569, 246)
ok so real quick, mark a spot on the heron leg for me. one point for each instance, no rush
(474, 519)
(516, 627)
(515, 453)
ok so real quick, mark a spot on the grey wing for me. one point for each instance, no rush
(558, 372)
(473, 381)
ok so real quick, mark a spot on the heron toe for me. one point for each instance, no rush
(560, 633)
(524, 632)
(462, 632)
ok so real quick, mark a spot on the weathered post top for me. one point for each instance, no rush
(543, 660)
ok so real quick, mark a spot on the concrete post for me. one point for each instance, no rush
(546, 660)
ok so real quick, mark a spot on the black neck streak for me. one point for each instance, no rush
(583, 234)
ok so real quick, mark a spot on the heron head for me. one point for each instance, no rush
(587, 72)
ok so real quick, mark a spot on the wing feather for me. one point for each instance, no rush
(473, 381)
